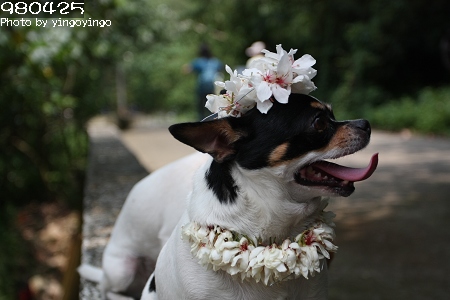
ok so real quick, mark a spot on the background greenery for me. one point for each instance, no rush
(381, 60)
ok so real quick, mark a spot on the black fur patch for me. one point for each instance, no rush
(219, 179)
(290, 124)
(152, 287)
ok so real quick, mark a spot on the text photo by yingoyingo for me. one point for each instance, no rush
(55, 22)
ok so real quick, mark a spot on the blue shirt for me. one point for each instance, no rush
(206, 68)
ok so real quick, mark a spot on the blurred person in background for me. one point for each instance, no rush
(207, 67)
(254, 52)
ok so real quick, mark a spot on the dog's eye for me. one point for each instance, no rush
(320, 124)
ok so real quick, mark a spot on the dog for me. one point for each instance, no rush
(264, 180)
(255, 181)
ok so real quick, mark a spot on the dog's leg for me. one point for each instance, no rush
(90, 272)
(149, 292)
(125, 275)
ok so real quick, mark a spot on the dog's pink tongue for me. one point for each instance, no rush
(349, 174)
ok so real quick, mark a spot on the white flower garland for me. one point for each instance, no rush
(238, 255)
(270, 78)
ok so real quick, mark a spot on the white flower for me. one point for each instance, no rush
(228, 255)
(271, 78)
(291, 258)
(273, 257)
(203, 255)
(269, 81)
(277, 73)
(222, 239)
(301, 66)
(237, 100)
(219, 104)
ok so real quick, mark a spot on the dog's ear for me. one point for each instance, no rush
(216, 138)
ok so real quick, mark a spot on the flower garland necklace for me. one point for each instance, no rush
(242, 257)
(270, 78)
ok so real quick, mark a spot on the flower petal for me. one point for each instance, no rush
(215, 102)
(284, 65)
(304, 62)
(263, 91)
(281, 94)
(264, 107)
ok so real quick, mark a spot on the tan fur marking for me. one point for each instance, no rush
(277, 154)
(318, 105)
(340, 139)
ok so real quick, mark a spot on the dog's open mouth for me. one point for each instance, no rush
(333, 176)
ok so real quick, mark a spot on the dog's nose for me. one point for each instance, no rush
(363, 125)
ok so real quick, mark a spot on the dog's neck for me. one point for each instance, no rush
(259, 205)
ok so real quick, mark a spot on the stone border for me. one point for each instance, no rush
(112, 172)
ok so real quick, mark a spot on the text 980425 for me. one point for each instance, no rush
(42, 9)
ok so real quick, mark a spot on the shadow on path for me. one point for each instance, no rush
(394, 232)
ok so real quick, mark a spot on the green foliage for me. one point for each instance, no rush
(39, 116)
(53, 79)
(165, 89)
(428, 113)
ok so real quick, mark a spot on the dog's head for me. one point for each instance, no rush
(291, 141)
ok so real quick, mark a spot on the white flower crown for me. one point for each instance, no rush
(272, 77)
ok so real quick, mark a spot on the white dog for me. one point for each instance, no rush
(254, 227)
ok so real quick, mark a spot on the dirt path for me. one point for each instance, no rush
(393, 232)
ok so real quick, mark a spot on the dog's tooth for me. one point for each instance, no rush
(345, 182)
(325, 177)
(301, 173)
